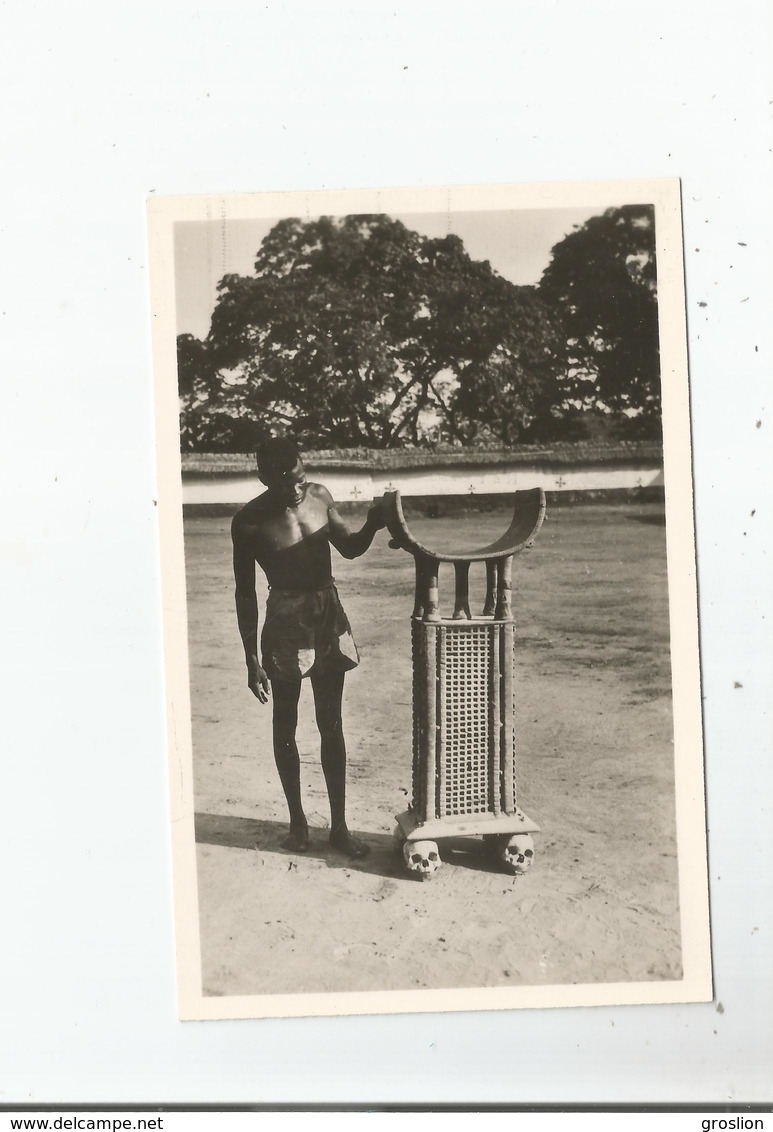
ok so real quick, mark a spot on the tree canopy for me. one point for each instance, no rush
(357, 331)
(601, 284)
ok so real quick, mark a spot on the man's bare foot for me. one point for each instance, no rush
(297, 840)
(342, 840)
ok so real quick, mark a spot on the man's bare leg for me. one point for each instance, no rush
(285, 695)
(328, 691)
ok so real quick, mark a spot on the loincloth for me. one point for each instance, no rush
(305, 631)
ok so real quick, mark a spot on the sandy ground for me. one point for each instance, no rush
(595, 770)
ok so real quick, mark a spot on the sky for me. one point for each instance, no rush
(516, 242)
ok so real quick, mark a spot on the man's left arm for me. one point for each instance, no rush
(351, 544)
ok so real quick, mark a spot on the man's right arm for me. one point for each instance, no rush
(247, 610)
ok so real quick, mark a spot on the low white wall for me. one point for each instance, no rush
(351, 485)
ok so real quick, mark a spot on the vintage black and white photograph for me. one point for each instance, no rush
(429, 598)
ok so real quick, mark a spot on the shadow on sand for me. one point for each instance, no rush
(267, 836)
(383, 860)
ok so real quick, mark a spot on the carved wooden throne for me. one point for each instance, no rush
(464, 765)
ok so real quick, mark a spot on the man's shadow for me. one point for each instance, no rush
(267, 836)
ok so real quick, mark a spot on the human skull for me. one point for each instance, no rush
(518, 853)
(422, 858)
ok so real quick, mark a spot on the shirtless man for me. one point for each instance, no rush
(288, 530)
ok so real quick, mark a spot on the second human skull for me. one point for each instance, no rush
(422, 858)
(518, 853)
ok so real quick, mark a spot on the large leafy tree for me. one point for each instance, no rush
(491, 345)
(358, 331)
(602, 284)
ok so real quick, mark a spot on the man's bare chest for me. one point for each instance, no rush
(275, 533)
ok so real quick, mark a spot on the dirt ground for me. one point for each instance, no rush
(594, 769)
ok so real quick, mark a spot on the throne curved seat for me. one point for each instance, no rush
(528, 515)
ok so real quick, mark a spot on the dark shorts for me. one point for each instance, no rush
(305, 631)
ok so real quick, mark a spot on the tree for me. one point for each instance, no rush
(491, 343)
(357, 331)
(602, 284)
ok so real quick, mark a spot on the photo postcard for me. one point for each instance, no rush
(429, 599)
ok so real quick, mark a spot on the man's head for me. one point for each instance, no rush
(281, 469)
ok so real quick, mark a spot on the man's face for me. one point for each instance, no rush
(287, 488)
